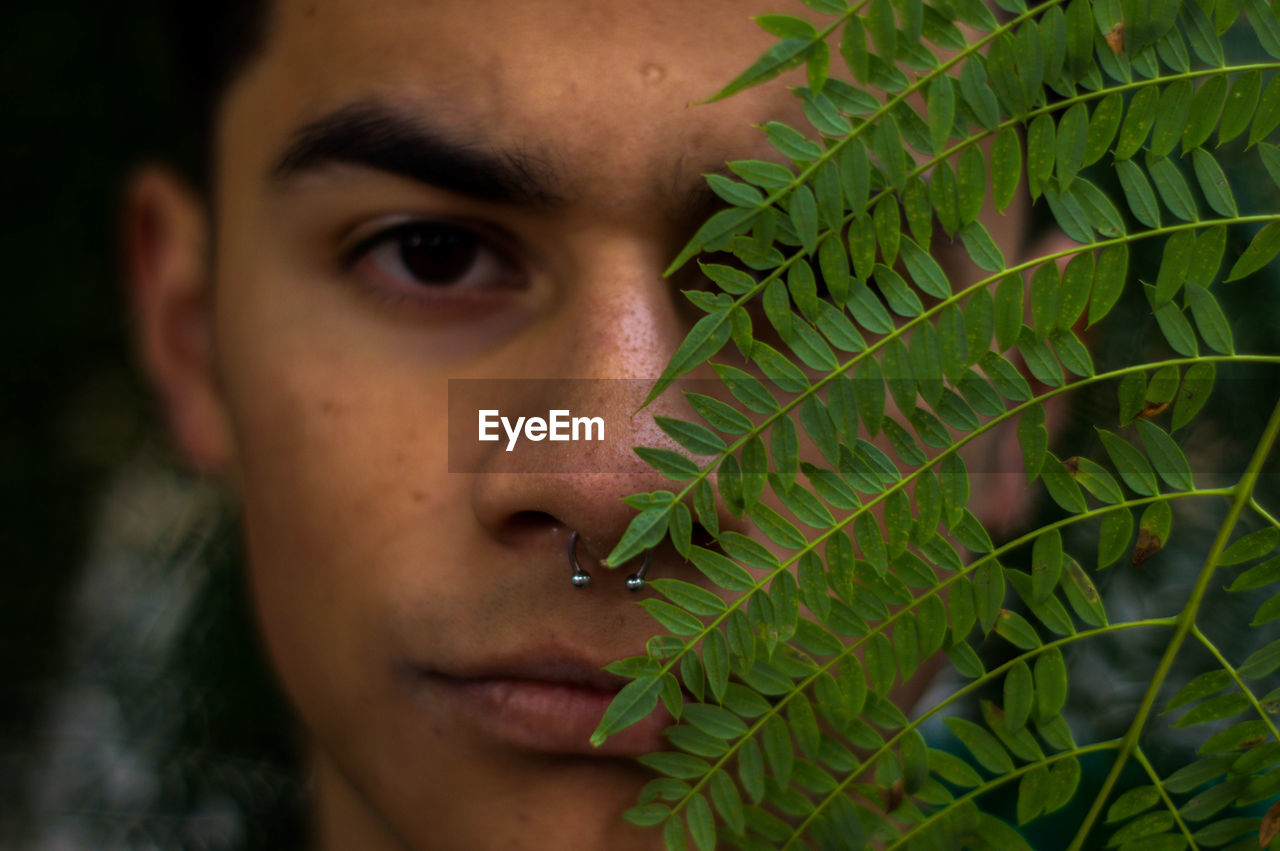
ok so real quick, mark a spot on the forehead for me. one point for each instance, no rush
(596, 87)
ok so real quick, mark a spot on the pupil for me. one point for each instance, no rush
(438, 255)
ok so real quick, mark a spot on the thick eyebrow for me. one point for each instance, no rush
(386, 139)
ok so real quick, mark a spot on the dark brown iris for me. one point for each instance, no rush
(438, 254)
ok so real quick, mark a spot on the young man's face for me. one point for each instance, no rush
(409, 192)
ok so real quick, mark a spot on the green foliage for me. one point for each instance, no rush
(784, 681)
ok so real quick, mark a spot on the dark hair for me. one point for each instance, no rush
(212, 43)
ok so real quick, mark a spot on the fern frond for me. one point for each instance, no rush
(844, 418)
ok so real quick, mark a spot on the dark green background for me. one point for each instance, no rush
(83, 95)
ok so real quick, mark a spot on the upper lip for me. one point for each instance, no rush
(549, 666)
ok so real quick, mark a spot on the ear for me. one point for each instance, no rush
(167, 266)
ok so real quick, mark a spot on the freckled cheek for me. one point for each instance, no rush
(341, 488)
(336, 468)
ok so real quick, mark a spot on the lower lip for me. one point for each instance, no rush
(543, 716)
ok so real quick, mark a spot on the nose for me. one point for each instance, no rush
(597, 357)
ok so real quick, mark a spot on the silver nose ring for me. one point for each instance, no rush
(582, 579)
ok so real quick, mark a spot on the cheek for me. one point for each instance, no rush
(336, 441)
(342, 482)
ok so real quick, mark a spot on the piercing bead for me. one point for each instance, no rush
(636, 580)
(582, 579)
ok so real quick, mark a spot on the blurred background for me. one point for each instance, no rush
(134, 712)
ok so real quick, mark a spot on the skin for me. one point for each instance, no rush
(316, 386)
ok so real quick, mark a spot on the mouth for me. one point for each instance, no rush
(546, 704)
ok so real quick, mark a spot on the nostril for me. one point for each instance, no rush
(530, 528)
(526, 521)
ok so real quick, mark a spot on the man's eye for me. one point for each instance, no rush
(431, 255)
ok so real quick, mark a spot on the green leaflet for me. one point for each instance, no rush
(1206, 257)
(781, 57)
(1250, 546)
(981, 247)
(1267, 116)
(1262, 662)
(1138, 193)
(1262, 249)
(984, 747)
(1041, 150)
(919, 213)
(1257, 576)
(697, 439)
(978, 95)
(1061, 486)
(1241, 102)
(1129, 463)
(634, 701)
(1104, 123)
(1072, 141)
(1094, 207)
(1046, 294)
(942, 194)
(718, 226)
(1006, 167)
(719, 415)
(1032, 794)
(1134, 801)
(1213, 183)
(1019, 696)
(1173, 188)
(924, 269)
(1193, 393)
(971, 185)
(1083, 595)
(1173, 266)
(1046, 564)
(1165, 454)
(1138, 119)
(1175, 328)
(1014, 628)
(1172, 112)
(1204, 113)
(942, 111)
(1008, 310)
(1095, 479)
(1077, 282)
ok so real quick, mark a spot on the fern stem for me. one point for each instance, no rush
(1062, 104)
(1002, 779)
(938, 459)
(968, 687)
(1164, 796)
(1230, 669)
(1263, 513)
(1242, 495)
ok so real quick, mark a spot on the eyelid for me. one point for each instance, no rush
(358, 266)
(355, 242)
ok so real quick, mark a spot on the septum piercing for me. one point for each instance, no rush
(582, 579)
